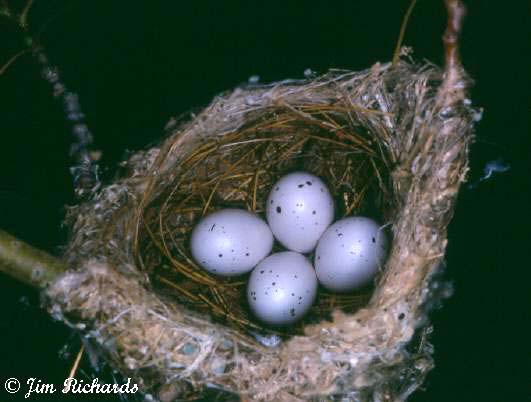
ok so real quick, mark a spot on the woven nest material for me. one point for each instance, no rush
(409, 125)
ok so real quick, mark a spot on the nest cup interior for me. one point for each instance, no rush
(238, 170)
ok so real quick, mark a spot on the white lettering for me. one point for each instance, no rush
(38, 387)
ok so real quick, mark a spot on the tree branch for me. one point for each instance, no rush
(453, 70)
(26, 263)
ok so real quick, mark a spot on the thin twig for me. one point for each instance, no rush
(456, 12)
(403, 27)
(24, 15)
(12, 60)
(85, 171)
(73, 371)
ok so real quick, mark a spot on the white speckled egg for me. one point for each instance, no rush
(230, 242)
(350, 253)
(282, 288)
(299, 209)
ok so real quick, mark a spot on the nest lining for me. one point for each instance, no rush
(414, 128)
(238, 170)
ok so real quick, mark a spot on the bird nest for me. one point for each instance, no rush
(390, 141)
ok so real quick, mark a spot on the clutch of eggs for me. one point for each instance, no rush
(350, 253)
(230, 242)
(299, 211)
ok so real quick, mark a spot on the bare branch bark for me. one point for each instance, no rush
(27, 264)
(453, 69)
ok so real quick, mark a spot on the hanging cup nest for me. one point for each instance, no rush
(390, 141)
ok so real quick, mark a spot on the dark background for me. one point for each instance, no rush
(135, 64)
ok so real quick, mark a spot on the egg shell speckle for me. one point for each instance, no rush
(299, 209)
(230, 242)
(282, 288)
(350, 253)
